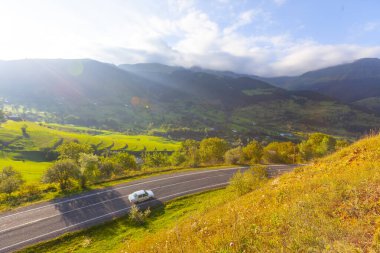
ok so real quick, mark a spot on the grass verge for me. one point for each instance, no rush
(115, 235)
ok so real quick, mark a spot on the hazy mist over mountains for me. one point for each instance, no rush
(152, 95)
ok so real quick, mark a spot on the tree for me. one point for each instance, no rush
(177, 158)
(23, 130)
(187, 154)
(280, 152)
(89, 168)
(317, 145)
(253, 152)
(2, 118)
(234, 156)
(72, 150)
(156, 159)
(125, 160)
(62, 172)
(212, 150)
(138, 217)
(10, 180)
(190, 149)
(108, 168)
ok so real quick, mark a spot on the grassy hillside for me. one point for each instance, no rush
(28, 152)
(41, 136)
(332, 205)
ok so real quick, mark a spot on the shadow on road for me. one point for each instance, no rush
(97, 205)
(98, 208)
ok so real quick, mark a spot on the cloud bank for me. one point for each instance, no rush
(175, 32)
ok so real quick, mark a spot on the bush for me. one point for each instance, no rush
(253, 152)
(318, 145)
(234, 156)
(30, 192)
(49, 188)
(156, 159)
(242, 183)
(108, 168)
(125, 160)
(212, 150)
(177, 158)
(138, 217)
(280, 152)
(10, 180)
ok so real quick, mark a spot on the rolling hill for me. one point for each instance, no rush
(142, 97)
(329, 206)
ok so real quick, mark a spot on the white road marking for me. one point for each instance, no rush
(104, 215)
(113, 189)
(94, 204)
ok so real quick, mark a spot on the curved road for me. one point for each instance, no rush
(40, 222)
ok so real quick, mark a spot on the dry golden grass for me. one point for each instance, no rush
(332, 205)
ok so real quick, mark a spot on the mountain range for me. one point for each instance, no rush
(161, 98)
(357, 83)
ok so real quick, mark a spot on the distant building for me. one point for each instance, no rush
(286, 134)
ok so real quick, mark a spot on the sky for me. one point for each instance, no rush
(261, 37)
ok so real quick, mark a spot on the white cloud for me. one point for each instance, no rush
(279, 2)
(179, 33)
(243, 19)
(371, 26)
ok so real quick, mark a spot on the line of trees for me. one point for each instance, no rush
(77, 165)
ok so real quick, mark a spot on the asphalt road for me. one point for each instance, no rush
(47, 220)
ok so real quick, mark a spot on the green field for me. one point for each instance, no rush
(27, 152)
(47, 135)
(31, 171)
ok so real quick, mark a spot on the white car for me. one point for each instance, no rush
(140, 196)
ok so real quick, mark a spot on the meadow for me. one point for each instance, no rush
(26, 150)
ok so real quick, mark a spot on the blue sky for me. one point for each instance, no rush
(271, 37)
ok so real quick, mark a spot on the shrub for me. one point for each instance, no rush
(125, 160)
(212, 150)
(280, 152)
(49, 188)
(10, 180)
(177, 158)
(242, 183)
(156, 159)
(253, 152)
(234, 156)
(30, 192)
(108, 168)
(138, 217)
(318, 145)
